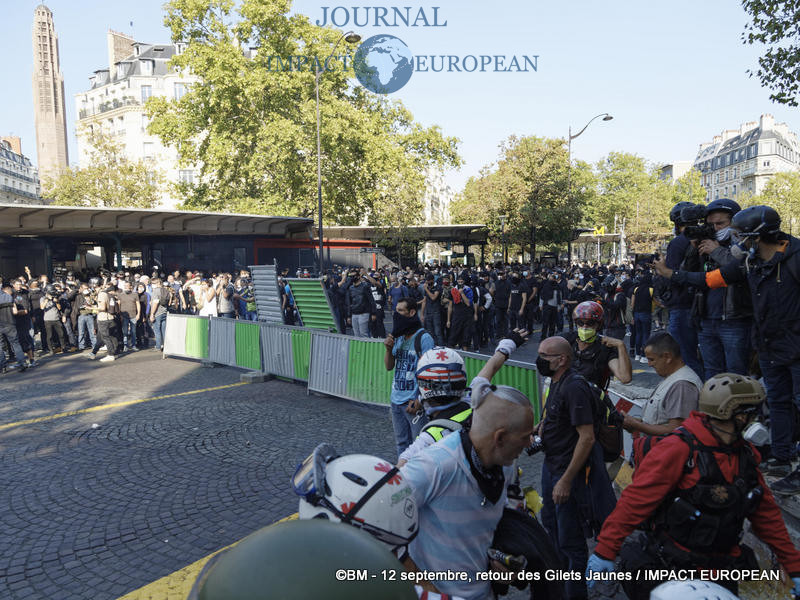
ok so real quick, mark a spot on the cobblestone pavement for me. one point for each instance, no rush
(95, 512)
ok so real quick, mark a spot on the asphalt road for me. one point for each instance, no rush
(102, 502)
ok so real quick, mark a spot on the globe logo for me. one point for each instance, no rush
(383, 64)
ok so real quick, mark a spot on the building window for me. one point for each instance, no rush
(180, 90)
(147, 91)
(734, 189)
(716, 194)
(145, 123)
(735, 172)
(186, 176)
(147, 149)
(120, 71)
(726, 175)
(766, 163)
(147, 67)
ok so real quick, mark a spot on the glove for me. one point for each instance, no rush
(512, 342)
(796, 588)
(597, 565)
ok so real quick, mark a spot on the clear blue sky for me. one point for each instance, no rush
(672, 75)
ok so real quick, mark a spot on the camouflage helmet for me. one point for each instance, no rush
(297, 560)
(725, 393)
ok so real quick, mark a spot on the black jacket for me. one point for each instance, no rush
(358, 299)
(736, 303)
(775, 293)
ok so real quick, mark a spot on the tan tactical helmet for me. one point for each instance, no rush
(724, 393)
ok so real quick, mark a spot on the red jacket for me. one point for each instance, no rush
(662, 470)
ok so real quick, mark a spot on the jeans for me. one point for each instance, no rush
(228, 315)
(682, 329)
(108, 334)
(433, 322)
(642, 323)
(360, 325)
(10, 332)
(55, 335)
(405, 430)
(725, 346)
(128, 332)
(563, 523)
(783, 388)
(86, 335)
(549, 318)
(24, 326)
(159, 325)
(500, 322)
(252, 315)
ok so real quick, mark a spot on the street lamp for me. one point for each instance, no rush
(351, 38)
(503, 236)
(606, 117)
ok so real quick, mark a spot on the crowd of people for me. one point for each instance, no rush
(111, 312)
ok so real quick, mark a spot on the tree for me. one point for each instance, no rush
(688, 188)
(110, 180)
(529, 185)
(782, 192)
(625, 190)
(250, 123)
(776, 24)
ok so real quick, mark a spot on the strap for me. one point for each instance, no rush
(369, 494)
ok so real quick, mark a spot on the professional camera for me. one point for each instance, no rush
(697, 228)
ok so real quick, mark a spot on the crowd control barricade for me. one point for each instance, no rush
(222, 341)
(265, 289)
(186, 336)
(312, 304)
(235, 343)
(286, 350)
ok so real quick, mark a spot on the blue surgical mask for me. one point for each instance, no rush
(723, 234)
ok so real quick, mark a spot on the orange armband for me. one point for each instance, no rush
(714, 279)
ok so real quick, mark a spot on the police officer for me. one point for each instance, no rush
(693, 491)
(770, 264)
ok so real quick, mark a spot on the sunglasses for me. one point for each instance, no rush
(584, 323)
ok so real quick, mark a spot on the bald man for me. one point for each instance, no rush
(576, 491)
(459, 485)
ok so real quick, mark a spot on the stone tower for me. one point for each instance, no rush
(48, 97)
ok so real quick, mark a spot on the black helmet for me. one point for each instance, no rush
(726, 204)
(295, 560)
(675, 213)
(756, 220)
(50, 289)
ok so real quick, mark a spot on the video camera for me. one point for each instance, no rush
(697, 228)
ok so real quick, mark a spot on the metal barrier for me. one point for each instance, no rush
(187, 336)
(313, 304)
(331, 363)
(268, 298)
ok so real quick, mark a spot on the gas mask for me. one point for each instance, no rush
(757, 434)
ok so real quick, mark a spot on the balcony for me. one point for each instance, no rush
(107, 106)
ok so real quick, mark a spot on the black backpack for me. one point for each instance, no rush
(607, 424)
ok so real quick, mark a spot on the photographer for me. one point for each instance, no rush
(726, 313)
(51, 309)
(678, 298)
(769, 261)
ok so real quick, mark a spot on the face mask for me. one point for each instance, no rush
(587, 334)
(543, 366)
(402, 325)
(739, 251)
(757, 434)
(429, 410)
(723, 234)
(85, 292)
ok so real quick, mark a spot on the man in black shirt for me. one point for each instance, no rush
(517, 302)
(432, 309)
(8, 328)
(502, 296)
(23, 319)
(574, 505)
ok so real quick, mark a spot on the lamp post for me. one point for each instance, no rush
(606, 117)
(503, 237)
(351, 38)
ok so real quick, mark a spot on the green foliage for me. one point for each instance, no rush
(776, 24)
(252, 127)
(782, 192)
(111, 179)
(529, 184)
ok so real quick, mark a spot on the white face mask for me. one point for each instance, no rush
(757, 434)
(723, 234)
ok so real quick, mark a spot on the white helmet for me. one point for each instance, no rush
(691, 590)
(364, 491)
(441, 374)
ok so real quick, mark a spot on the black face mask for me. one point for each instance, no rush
(543, 366)
(402, 325)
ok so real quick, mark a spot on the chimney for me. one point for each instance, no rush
(728, 134)
(717, 139)
(14, 142)
(766, 122)
(120, 47)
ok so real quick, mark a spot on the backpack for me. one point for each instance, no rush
(607, 424)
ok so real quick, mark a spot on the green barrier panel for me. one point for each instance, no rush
(248, 353)
(524, 380)
(301, 352)
(367, 377)
(197, 337)
(312, 304)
